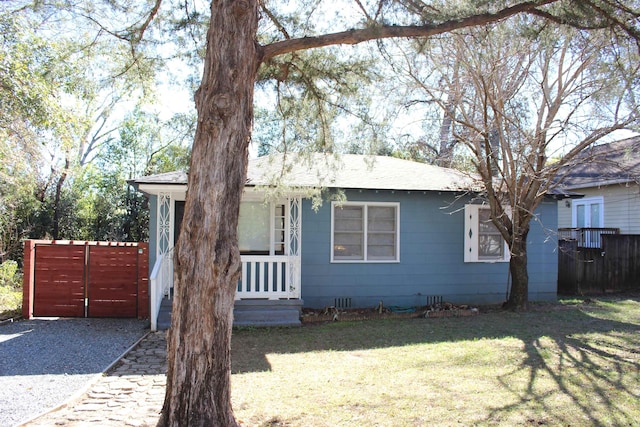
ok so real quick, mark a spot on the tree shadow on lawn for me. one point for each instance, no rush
(574, 348)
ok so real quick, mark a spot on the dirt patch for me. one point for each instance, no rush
(333, 314)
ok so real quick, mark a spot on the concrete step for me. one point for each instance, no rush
(266, 318)
(250, 313)
(164, 315)
(265, 313)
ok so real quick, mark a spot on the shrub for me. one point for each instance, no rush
(9, 276)
(10, 289)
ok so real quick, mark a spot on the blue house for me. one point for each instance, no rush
(351, 231)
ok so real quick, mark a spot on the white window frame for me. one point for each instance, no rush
(472, 233)
(365, 206)
(587, 202)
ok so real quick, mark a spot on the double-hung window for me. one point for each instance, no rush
(365, 232)
(483, 241)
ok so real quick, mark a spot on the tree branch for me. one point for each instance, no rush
(381, 32)
(152, 14)
(274, 19)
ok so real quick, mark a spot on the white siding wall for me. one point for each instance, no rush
(621, 207)
(564, 213)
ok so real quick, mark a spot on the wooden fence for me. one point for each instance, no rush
(613, 267)
(85, 279)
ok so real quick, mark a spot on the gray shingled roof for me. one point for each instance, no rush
(348, 171)
(170, 178)
(605, 164)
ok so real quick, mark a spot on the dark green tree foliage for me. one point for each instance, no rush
(32, 69)
(66, 77)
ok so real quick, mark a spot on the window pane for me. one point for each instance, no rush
(279, 249)
(490, 246)
(595, 215)
(381, 246)
(348, 212)
(381, 237)
(490, 242)
(348, 225)
(485, 225)
(253, 227)
(348, 246)
(381, 218)
(580, 216)
(348, 218)
(348, 236)
(382, 252)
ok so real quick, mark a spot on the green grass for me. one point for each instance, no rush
(558, 364)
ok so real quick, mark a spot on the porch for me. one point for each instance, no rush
(586, 237)
(269, 241)
(268, 292)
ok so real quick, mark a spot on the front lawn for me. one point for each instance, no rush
(573, 363)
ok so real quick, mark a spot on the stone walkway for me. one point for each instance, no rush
(130, 394)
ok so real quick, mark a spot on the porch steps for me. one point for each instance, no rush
(267, 313)
(250, 313)
(164, 315)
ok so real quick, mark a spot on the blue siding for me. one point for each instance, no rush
(431, 257)
(542, 251)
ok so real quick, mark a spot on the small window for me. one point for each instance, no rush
(365, 232)
(483, 241)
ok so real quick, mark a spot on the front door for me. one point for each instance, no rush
(179, 213)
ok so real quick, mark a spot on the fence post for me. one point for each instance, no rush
(28, 267)
(143, 280)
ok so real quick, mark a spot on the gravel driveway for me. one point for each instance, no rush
(43, 362)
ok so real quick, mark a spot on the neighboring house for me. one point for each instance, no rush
(397, 232)
(608, 178)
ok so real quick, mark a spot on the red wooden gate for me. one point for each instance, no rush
(60, 289)
(85, 279)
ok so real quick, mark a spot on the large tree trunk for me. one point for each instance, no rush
(519, 296)
(207, 260)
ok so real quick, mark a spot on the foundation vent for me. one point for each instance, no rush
(432, 299)
(342, 302)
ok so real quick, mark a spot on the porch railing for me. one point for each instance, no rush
(263, 277)
(586, 237)
(269, 277)
(160, 284)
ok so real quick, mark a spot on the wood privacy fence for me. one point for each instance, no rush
(85, 279)
(612, 267)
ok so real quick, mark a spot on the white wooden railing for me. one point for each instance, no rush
(160, 284)
(269, 277)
